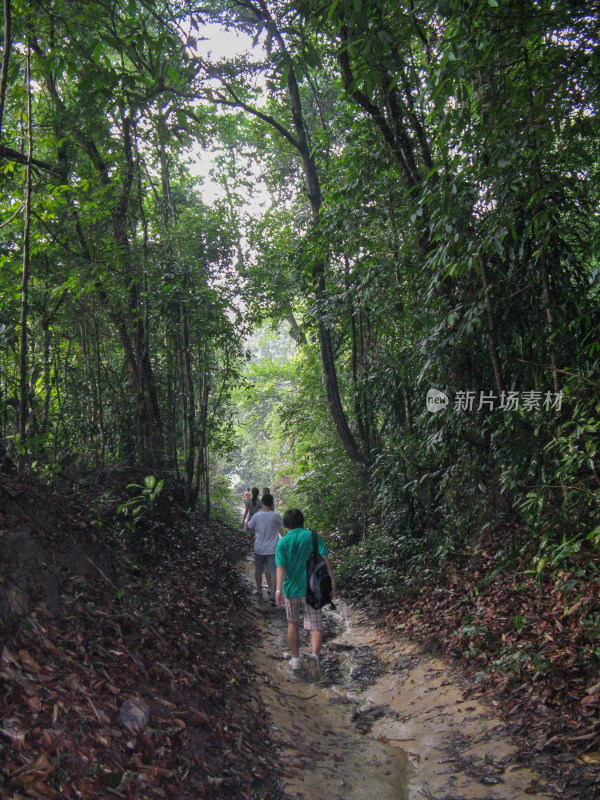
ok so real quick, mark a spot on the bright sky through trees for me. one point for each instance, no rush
(219, 43)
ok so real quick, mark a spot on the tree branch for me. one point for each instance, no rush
(255, 112)
(21, 158)
(374, 111)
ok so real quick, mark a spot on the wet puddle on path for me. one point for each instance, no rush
(385, 720)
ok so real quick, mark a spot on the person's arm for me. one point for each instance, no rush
(279, 586)
(245, 515)
(327, 561)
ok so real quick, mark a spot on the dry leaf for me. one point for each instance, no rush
(34, 703)
(13, 731)
(28, 661)
(591, 758)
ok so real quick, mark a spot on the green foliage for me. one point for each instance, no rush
(438, 229)
(135, 518)
(460, 254)
(132, 321)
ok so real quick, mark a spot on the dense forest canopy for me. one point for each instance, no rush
(428, 220)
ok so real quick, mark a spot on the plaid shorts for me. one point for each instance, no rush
(313, 617)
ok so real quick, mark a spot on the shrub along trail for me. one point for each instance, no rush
(169, 633)
(529, 643)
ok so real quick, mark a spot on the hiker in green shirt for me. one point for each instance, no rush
(291, 556)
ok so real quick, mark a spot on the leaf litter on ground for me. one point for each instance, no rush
(138, 684)
(530, 646)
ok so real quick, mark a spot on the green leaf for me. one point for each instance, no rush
(285, 72)
(332, 9)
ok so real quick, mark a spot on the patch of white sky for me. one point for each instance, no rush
(217, 43)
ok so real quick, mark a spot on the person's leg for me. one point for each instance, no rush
(293, 638)
(270, 574)
(316, 640)
(258, 570)
(313, 622)
(292, 610)
(271, 585)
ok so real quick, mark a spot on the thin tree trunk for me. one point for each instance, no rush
(99, 383)
(190, 416)
(364, 344)
(206, 486)
(171, 438)
(318, 270)
(544, 270)
(354, 360)
(5, 59)
(25, 274)
(182, 391)
(201, 466)
(549, 318)
(47, 378)
(87, 378)
(407, 409)
(327, 358)
(492, 335)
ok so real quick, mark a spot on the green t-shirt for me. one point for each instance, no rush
(292, 553)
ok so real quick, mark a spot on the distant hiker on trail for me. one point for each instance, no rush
(252, 505)
(247, 494)
(291, 556)
(267, 527)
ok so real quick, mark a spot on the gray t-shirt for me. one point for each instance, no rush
(252, 507)
(266, 526)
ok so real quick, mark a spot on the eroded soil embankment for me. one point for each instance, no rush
(384, 721)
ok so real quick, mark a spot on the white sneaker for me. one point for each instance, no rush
(313, 666)
(295, 663)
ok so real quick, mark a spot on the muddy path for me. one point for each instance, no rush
(385, 721)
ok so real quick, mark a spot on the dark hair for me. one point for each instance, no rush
(266, 490)
(267, 500)
(293, 518)
(255, 494)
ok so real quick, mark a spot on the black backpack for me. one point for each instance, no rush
(318, 580)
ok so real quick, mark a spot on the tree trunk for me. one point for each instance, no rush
(99, 385)
(5, 59)
(327, 358)
(206, 486)
(492, 335)
(25, 275)
(190, 495)
(544, 269)
(354, 362)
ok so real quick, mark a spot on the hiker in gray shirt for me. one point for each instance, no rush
(267, 527)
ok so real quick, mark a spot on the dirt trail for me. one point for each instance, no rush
(385, 720)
